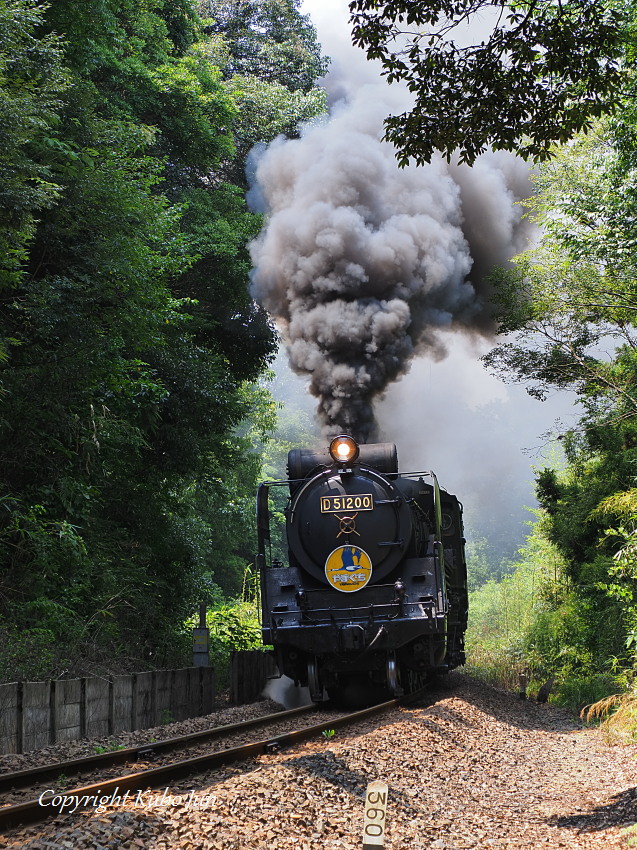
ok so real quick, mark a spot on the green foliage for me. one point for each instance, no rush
(233, 625)
(543, 72)
(537, 621)
(566, 311)
(571, 304)
(573, 296)
(32, 82)
(622, 586)
(29, 652)
(502, 612)
(111, 747)
(267, 39)
(269, 109)
(270, 60)
(479, 568)
(577, 691)
(129, 344)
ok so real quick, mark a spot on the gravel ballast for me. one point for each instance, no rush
(475, 768)
(66, 751)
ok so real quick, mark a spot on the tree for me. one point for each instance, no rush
(575, 293)
(32, 81)
(130, 406)
(132, 341)
(543, 72)
(266, 111)
(568, 306)
(270, 60)
(267, 39)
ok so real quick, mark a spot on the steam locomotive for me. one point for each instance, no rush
(373, 599)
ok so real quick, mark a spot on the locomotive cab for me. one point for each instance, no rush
(373, 598)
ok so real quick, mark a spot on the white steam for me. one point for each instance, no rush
(284, 692)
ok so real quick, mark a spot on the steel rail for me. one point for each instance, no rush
(33, 811)
(29, 776)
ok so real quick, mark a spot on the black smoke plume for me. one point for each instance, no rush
(362, 263)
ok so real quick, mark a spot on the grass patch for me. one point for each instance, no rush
(618, 716)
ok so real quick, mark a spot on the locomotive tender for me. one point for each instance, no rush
(373, 599)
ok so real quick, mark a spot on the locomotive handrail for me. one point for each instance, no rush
(308, 482)
(406, 474)
(364, 609)
(263, 521)
(439, 549)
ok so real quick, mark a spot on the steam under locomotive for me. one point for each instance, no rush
(374, 596)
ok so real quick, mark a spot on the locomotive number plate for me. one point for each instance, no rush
(336, 504)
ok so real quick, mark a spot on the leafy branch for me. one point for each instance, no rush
(545, 71)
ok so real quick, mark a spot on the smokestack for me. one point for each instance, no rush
(362, 263)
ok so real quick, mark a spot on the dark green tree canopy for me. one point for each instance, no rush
(129, 342)
(543, 72)
(32, 82)
(268, 39)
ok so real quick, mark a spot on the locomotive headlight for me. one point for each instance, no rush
(344, 449)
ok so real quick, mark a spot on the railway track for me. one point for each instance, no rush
(42, 785)
(140, 753)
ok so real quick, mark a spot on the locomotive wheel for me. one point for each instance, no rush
(415, 680)
(314, 680)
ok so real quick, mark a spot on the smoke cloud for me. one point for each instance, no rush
(362, 263)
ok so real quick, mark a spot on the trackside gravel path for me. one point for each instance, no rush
(476, 768)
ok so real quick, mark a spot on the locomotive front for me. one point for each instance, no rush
(373, 597)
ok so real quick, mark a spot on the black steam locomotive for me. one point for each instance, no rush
(374, 597)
